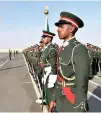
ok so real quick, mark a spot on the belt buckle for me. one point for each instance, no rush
(63, 83)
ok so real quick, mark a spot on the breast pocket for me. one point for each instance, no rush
(64, 61)
(65, 58)
(65, 68)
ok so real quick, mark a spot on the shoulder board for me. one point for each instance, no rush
(76, 42)
(79, 43)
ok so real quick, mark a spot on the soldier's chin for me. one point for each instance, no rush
(60, 37)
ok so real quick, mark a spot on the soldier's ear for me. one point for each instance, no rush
(72, 28)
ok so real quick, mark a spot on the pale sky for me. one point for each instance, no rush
(21, 23)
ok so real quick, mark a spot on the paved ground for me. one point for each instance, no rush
(94, 99)
(17, 93)
(16, 89)
(3, 58)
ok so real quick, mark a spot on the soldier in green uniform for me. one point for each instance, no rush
(38, 54)
(10, 54)
(26, 56)
(91, 55)
(34, 61)
(94, 61)
(14, 53)
(41, 72)
(30, 55)
(99, 60)
(41, 45)
(49, 58)
(71, 90)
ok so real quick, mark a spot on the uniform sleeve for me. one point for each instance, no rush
(82, 70)
(53, 60)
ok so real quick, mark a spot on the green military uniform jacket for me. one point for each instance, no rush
(49, 57)
(74, 68)
(34, 58)
(91, 54)
(30, 54)
(37, 54)
(99, 56)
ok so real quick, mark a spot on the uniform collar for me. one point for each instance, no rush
(47, 45)
(65, 43)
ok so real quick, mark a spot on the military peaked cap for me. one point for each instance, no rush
(68, 18)
(47, 34)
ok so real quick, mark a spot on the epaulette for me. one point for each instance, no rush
(76, 42)
(52, 47)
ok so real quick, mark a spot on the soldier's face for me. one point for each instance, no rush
(46, 40)
(41, 44)
(64, 30)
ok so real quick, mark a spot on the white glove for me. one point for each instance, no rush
(50, 85)
(52, 80)
(42, 80)
(47, 70)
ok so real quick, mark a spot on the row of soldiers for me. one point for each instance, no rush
(95, 59)
(62, 74)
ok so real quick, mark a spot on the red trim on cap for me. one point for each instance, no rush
(48, 34)
(70, 20)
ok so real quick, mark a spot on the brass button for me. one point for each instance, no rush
(81, 107)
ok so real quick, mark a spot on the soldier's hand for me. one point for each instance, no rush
(51, 106)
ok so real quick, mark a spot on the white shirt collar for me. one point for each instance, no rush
(65, 43)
